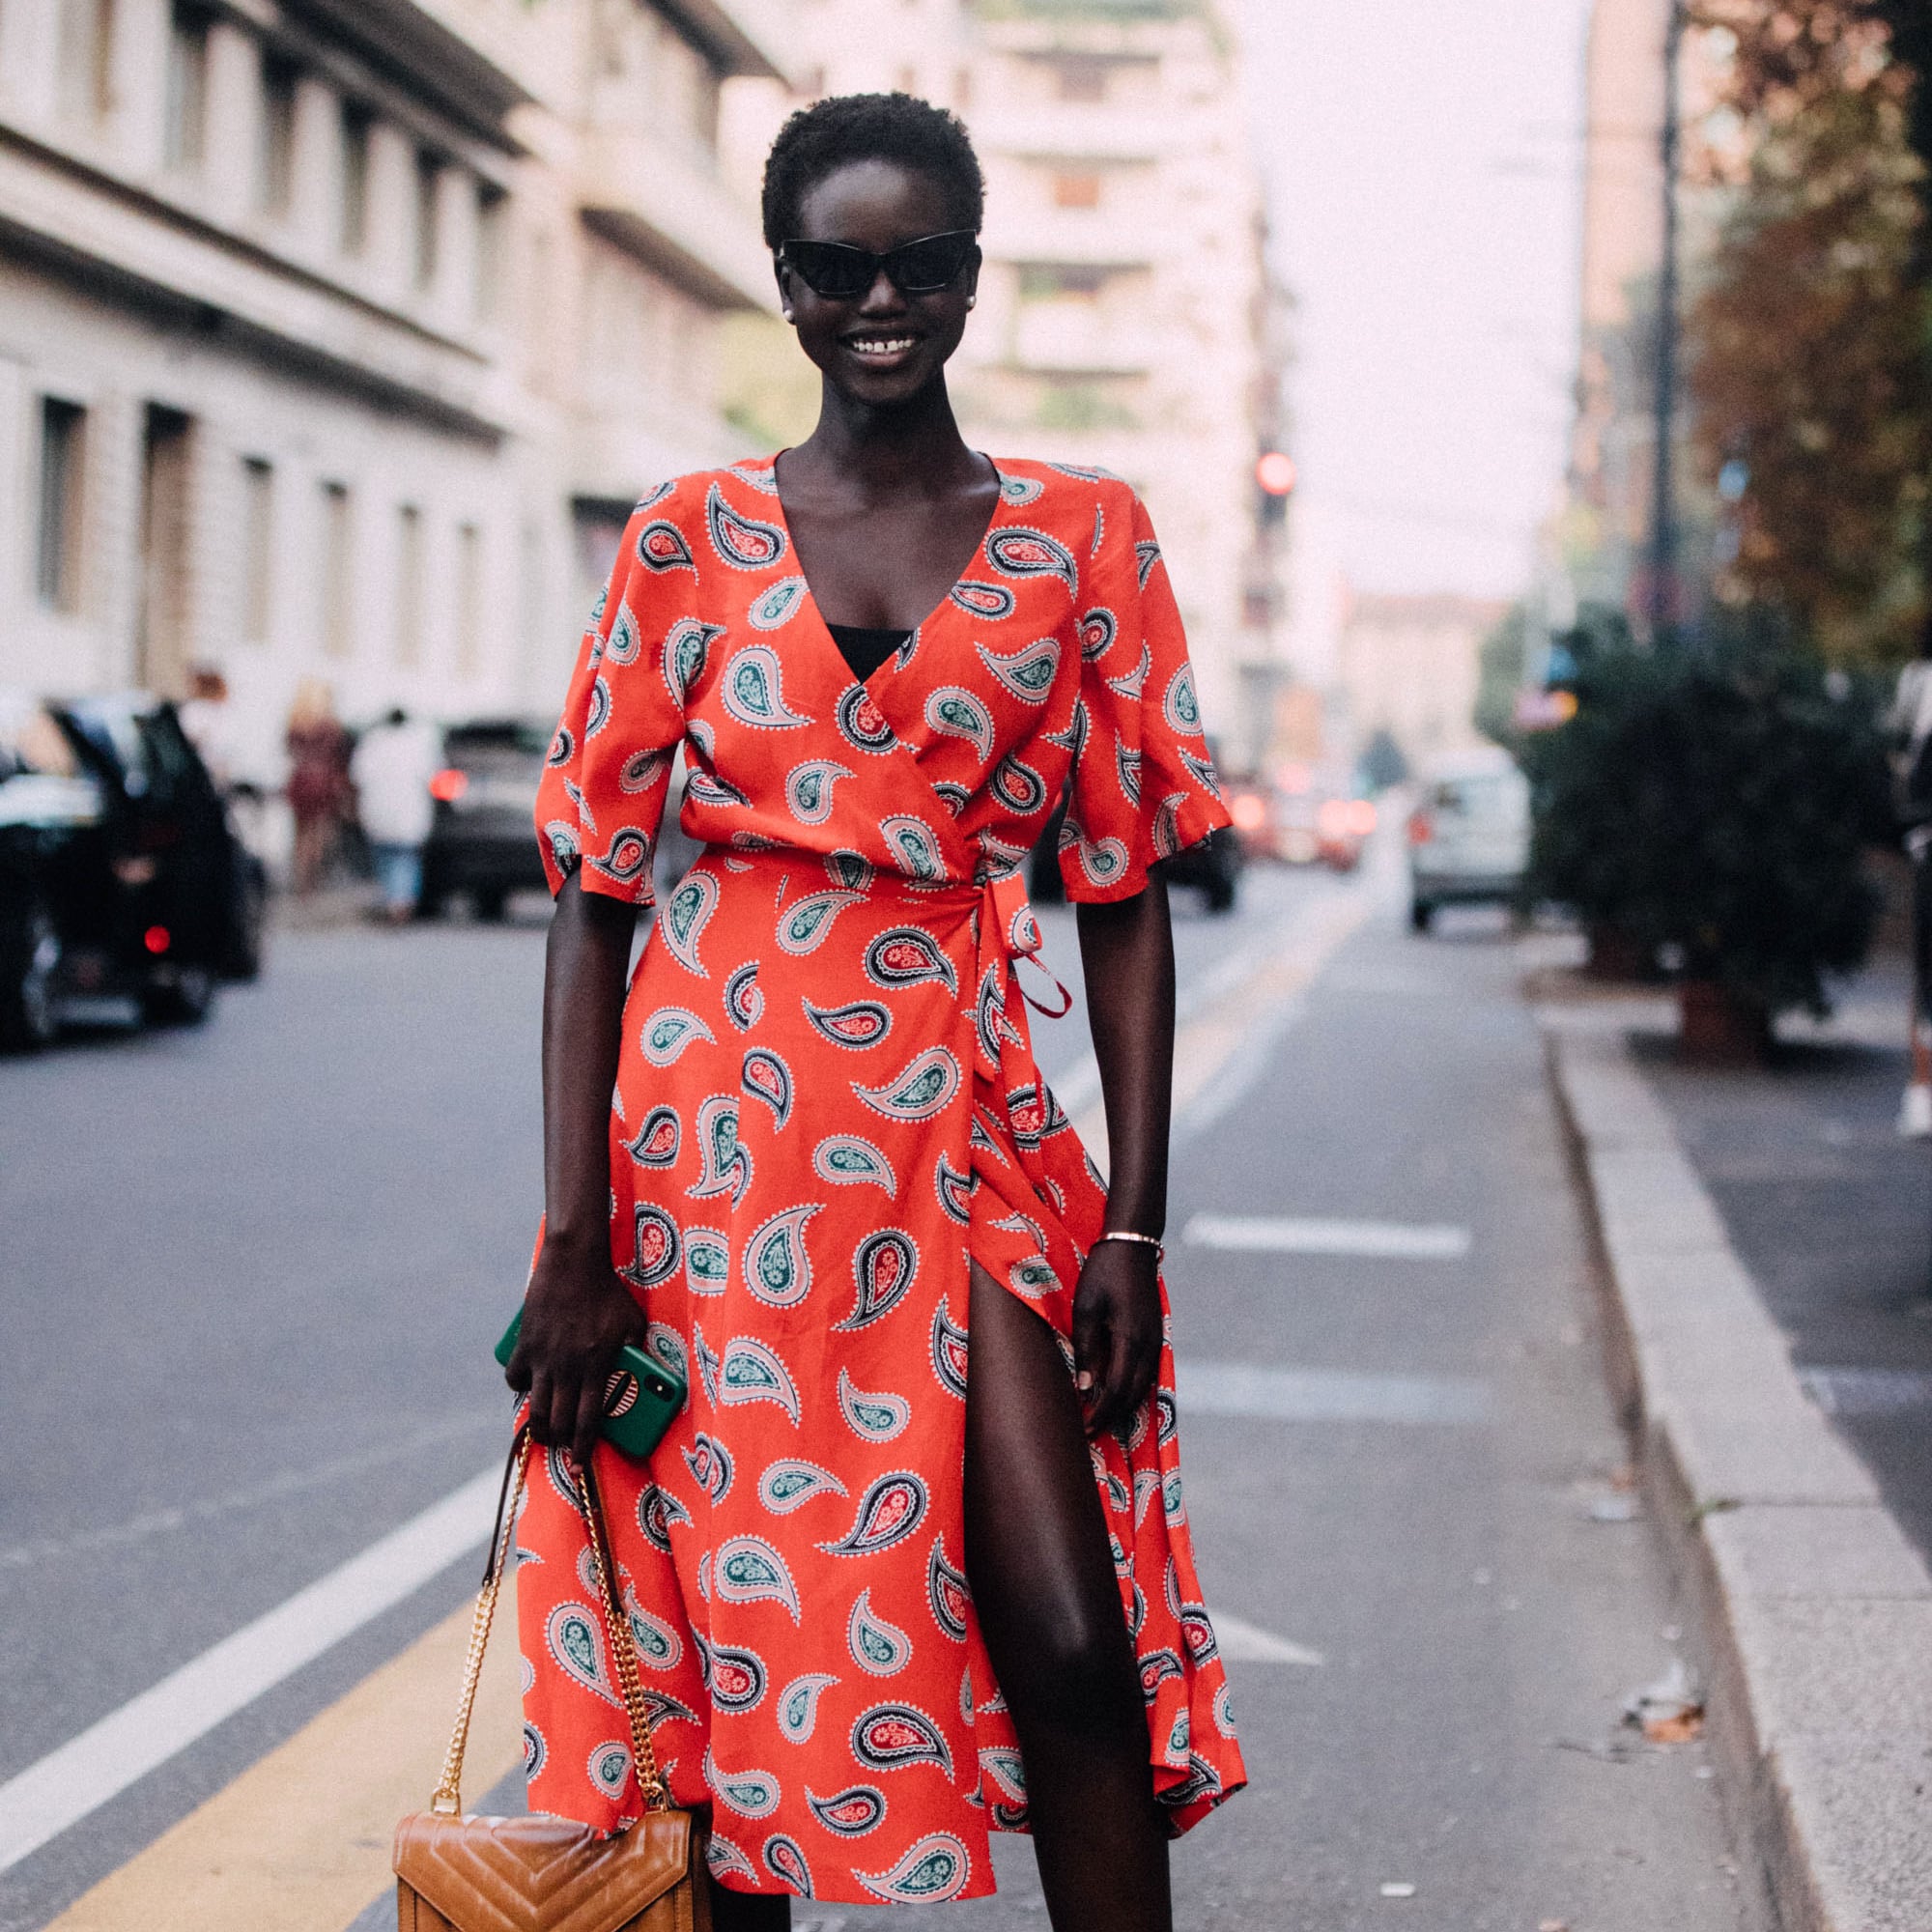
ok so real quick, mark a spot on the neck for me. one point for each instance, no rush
(914, 447)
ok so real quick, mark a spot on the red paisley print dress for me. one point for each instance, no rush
(827, 1103)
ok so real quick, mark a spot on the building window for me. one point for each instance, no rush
(62, 457)
(1081, 78)
(276, 159)
(183, 136)
(258, 531)
(492, 216)
(337, 640)
(86, 59)
(429, 177)
(1076, 191)
(469, 600)
(409, 585)
(353, 215)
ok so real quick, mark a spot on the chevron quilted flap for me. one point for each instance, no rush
(540, 1873)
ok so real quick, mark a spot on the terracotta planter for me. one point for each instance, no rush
(1720, 1028)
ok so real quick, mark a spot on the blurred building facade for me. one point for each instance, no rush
(1127, 316)
(1409, 665)
(337, 336)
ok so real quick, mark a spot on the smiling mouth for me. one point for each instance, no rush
(880, 346)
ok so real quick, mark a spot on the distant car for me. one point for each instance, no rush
(483, 839)
(1343, 827)
(121, 871)
(1468, 835)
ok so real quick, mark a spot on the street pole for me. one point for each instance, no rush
(1664, 505)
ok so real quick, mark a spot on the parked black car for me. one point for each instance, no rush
(483, 841)
(1212, 865)
(121, 872)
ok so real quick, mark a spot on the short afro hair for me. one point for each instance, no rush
(869, 128)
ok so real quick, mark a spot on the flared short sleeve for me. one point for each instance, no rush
(1144, 785)
(602, 796)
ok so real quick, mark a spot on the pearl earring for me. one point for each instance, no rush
(971, 301)
(787, 313)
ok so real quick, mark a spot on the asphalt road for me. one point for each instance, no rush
(254, 1275)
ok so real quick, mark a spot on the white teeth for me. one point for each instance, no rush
(867, 346)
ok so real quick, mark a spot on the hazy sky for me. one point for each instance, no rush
(1422, 164)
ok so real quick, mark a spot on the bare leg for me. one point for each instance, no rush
(748, 1910)
(1043, 1588)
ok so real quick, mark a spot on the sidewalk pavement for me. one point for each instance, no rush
(1765, 1239)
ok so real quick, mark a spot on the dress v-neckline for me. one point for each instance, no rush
(915, 632)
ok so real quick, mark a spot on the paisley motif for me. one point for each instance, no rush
(1202, 771)
(1166, 835)
(669, 1032)
(1128, 683)
(923, 1088)
(1022, 553)
(861, 723)
(785, 1860)
(625, 641)
(990, 601)
(1104, 861)
(1019, 491)
(798, 1705)
(685, 916)
(849, 1813)
(562, 748)
(889, 1737)
(609, 1767)
(657, 1141)
(1147, 554)
(1158, 1667)
(1099, 628)
(955, 798)
(808, 789)
(778, 1268)
(744, 1003)
(655, 495)
(743, 543)
(1127, 769)
(707, 1260)
(767, 1079)
(946, 1594)
(749, 1372)
(779, 604)
(661, 547)
(1019, 787)
(749, 1570)
(642, 770)
(878, 1646)
(657, 1513)
(949, 1351)
(851, 871)
(872, 1418)
(955, 1190)
(935, 1869)
(915, 850)
(575, 1640)
(535, 1752)
(753, 689)
(734, 1677)
(627, 859)
(710, 1464)
(849, 1160)
(722, 1858)
(889, 1511)
(902, 955)
(956, 712)
(752, 1794)
(1028, 673)
(1198, 1633)
(1179, 706)
(861, 1023)
(686, 646)
(1001, 1764)
(805, 923)
(883, 1266)
(725, 1162)
(787, 1485)
(702, 788)
(656, 1255)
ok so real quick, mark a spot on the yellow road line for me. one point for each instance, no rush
(300, 1840)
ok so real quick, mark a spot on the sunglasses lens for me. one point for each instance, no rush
(921, 267)
(829, 268)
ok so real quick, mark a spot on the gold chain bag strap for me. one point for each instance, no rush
(458, 1873)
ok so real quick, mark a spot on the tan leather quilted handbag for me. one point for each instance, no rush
(458, 1873)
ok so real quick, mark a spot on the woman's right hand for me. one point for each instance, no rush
(577, 1314)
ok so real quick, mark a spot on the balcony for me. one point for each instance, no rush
(1102, 238)
(658, 203)
(1077, 337)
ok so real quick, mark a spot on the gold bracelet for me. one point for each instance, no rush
(1158, 1246)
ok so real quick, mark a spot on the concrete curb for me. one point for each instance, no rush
(1817, 1611)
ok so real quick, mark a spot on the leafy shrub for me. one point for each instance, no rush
(1714, 795)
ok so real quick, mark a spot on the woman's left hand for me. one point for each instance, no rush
(1117, 1331)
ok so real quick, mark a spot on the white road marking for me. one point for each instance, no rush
(1304, 1235)
(1328, 1395)
(1243, 1643)
(83, 1773)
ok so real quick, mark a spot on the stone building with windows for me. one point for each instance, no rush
(337, 336)
(1127, 316)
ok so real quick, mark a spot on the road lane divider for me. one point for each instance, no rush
(80, 1775)
(302, 1839)
(1254, 1394)
(1303, 1235)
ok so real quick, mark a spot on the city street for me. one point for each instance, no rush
(265, 1344)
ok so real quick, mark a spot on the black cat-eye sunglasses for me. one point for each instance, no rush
(841, 273)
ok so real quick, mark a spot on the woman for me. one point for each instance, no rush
(884, 1604)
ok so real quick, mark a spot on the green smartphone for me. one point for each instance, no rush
(643, 1396)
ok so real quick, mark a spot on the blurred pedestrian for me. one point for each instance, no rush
(317, 781)
(207, 719)
(393, 763)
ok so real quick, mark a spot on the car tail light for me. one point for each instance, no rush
(157, 939)
(1421, 828)
(1361, 817)
(448, 786)
(1332, 819)
(1248, 811)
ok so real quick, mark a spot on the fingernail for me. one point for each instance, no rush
(1083, 1381)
